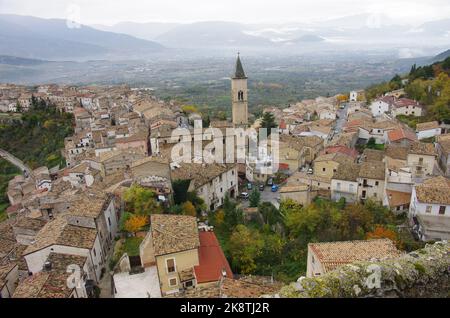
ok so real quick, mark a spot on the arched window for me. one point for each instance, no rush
(241, 95)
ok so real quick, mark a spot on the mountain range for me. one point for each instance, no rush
(32, 37)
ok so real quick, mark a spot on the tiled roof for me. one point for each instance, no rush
(61, 233)
(299, 142)
(397, 198)
(435, 191)
(198, 173)
(347, 171)
(211, 259)
(373, 155)
(427, 125)
(29, 223)
(4, 271)
(89, 204)
(334, 254)
(397, 152)
(444, 142)
(173, 233)
(373, 170)
(342, 149)
(44, 285)
(422, 148)
(399, 134)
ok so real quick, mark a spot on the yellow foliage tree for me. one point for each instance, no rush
(135, 223)
(189, 209)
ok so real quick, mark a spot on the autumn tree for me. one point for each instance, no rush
(135, 223)
(189, 209)
(382, 232)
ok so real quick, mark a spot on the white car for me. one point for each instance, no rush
(310, 171)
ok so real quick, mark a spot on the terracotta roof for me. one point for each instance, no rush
(299, 142)
(211, 259)
(399, 134)
(397, 152)
(427, 125)
(173, 233)
(435, 191)
(422, 148)
(397, 198)
(334, 254)
(89, 204)
(342, 149)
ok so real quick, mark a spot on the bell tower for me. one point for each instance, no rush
(239, 96)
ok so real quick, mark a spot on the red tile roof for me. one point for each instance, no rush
(282, 124)
(399, 134)
(211, 259)
(342, 149)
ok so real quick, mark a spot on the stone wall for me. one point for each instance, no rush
(422, 273)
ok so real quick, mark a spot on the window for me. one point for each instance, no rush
(189, 284)
(95, 253)
(323, 169)
(109, 221)
(442, 210)
(173, 282)
(428, 209)
(338, 186)
(170, 264)
(376, 183)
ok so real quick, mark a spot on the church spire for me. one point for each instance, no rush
(239, 72)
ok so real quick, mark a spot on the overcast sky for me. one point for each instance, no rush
(246, 11)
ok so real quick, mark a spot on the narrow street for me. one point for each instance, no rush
(15, 161)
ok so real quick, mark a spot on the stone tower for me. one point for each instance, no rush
(239, 96)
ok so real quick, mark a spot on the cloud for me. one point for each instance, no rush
(244, 11)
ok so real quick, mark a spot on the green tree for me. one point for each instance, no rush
(254, 198)
(268, 122)
(142, 201)
(270, 213)
(232, 214)
(245, 246)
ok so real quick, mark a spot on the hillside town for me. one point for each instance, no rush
(125, 218)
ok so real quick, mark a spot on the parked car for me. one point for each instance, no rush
(261, 187)
(249, 186)
(270, 182)
(244, 195)
(310, 171)
(274, 188)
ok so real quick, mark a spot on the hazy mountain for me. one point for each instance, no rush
(147, 31)
(441, 56)
(436, 28)
(212, 34)
(14, 60)
(52, 38)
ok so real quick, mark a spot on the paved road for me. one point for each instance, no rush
(266, 196)
(15, 161)
(340, 122)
